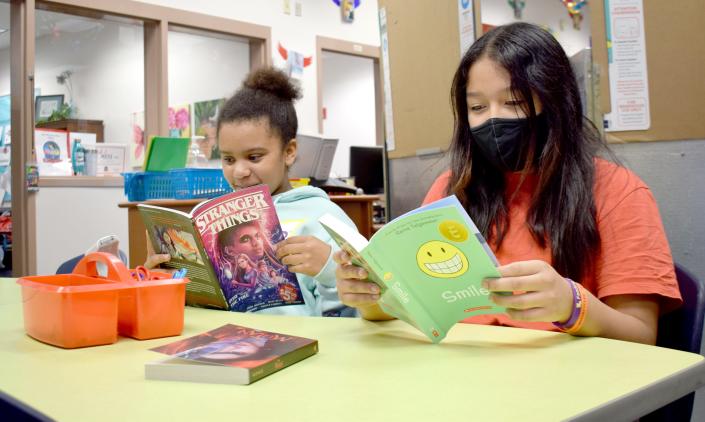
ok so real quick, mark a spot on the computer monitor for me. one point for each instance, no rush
(367, 167)
(314, 157)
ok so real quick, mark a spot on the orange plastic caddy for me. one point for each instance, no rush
(83, 309)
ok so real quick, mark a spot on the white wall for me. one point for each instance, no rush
(319, 17)
(205, 68)
(349, 98)
(70, 220)
(551, 13)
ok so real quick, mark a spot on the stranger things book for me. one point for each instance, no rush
(226, 246)
(429, 264)
(231, 354)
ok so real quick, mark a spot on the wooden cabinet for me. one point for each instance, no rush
(76, 125)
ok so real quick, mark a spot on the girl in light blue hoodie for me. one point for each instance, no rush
(257, 129)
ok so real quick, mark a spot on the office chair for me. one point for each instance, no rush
(681, 329)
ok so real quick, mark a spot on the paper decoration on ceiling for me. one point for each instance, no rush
(517, 6)
(347, 9)
(574, 11)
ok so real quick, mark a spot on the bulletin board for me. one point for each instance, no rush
(424, 51)
(675, 58)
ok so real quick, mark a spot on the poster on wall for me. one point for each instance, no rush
(180, 121)
(295, 61)
(52, 149)
(137, 145)
(466, 25)
(387, 83)
(110, 160)
(205, 116)
(295, 65)
(626, 55)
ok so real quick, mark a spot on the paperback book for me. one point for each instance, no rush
(231, 354)
(429, 264)
(226, 246)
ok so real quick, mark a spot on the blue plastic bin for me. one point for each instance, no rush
(184, 183)
(198, 183)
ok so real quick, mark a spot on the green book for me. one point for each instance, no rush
(164, 154)
(429, 264)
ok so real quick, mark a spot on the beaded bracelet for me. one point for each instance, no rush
(575, 313)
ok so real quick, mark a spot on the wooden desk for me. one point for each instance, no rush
(357, 207)
(364, 371)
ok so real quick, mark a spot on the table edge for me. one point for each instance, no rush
(640, 402)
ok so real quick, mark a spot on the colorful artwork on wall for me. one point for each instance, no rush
(205, 117)
(295, 61)
(137, 141)
(180, 121)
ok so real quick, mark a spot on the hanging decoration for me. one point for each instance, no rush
(295, 61)
(574, 11)
(347, 9)
(517, 6)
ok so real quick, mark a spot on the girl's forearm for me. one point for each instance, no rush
(630, 318)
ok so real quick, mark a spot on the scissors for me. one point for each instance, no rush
(141, 273)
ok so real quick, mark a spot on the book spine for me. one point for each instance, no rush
(282, 362)
(412, 310)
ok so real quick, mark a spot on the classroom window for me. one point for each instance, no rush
(96, 62)
(204, 69)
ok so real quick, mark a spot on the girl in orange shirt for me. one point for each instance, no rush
(580, 238)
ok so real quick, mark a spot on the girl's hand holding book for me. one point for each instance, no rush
(355, 290)
(154, 260)
(303, 254)
(539, 292)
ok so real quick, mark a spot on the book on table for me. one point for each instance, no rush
(231, 354)
(226, 246)
(429, 264)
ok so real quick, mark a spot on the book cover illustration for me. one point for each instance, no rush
(238, 232)
(257, 352)
(429, 264)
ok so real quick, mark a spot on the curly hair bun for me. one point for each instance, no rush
(273, 81)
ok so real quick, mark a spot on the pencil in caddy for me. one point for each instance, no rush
(84, 309)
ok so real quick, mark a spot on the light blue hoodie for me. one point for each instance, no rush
(298, 211)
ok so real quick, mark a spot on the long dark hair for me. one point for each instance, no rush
(266, 93)
(562, 211)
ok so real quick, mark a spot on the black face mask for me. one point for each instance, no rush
(505, 142)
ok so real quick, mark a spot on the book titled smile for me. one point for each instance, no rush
(429, 264)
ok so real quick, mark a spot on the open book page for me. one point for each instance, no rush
(172, 231)
(239, 231)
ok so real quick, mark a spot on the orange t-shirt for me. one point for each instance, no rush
(635, 258)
